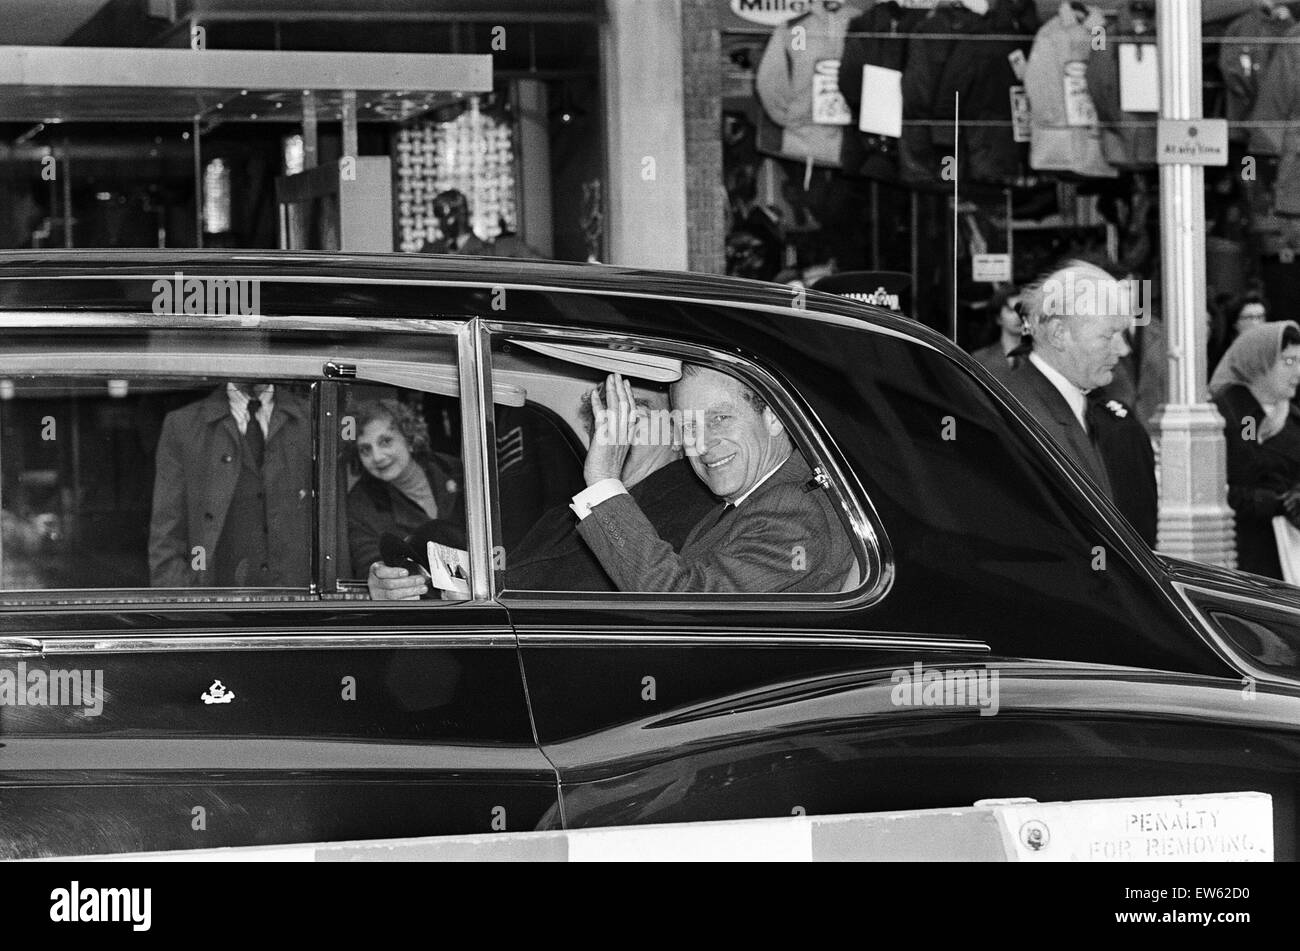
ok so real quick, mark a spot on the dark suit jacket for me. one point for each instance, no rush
(552, 556)
(1048, 406)
(1130, 462)
(781, 538)
(199, 459)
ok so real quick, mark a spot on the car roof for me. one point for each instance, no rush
(272, 265)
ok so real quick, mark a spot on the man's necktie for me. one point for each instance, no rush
(717, 517)
(1092, 416)
(253, 437)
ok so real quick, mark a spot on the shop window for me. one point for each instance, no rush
(472, 153)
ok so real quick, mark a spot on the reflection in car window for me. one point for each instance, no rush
(176, 465)
(711, 493)
(153, 480)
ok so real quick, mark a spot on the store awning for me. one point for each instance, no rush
(110, 84)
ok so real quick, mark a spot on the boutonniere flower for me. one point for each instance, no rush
(1116, 407)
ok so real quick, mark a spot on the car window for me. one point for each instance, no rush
(717, 493)
(401, 474)
(184, 465)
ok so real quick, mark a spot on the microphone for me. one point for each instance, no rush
(398, 553)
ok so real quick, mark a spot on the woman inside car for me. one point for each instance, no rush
(403, 484)
(1252, 387)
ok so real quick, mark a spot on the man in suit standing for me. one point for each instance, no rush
(451, 208)
(1071, 346)
(774, 528)
(232, 500)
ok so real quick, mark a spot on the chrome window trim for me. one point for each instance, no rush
(58, 645)
(138, 320)
(1229, 652)
(555, 637)
(863, 522)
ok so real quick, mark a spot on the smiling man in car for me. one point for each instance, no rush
(774, 528)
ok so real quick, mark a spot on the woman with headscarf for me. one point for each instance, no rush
(1252, 387)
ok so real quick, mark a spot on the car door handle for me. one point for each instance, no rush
(21, 647)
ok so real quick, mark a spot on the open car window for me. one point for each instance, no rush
(705, 436)
(141, 465)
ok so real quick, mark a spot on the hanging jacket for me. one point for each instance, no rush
(1066, 134)
(875, 156)
(1279, 101)
(1128, 139)
(980, 72)
(785, 83)
(925, 149)
(1242, 61)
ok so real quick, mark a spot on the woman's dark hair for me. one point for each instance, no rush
(1290, 338)
(407, 420)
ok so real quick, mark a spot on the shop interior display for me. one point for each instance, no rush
(472, 152)
(906, 135)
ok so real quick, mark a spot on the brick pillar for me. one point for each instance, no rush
(706, 204)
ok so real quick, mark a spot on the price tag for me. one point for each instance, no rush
(1079, 108)
(1139, 78)
(1021, 129)
(829, 105)
(991, 268)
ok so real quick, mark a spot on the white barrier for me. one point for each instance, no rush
(1228, 827)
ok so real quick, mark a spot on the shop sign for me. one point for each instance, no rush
(1192, 141)
(773, 13)
(991, 268)
(769, 12)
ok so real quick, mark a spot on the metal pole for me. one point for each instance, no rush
(67, 197)
(309, 156)
(349, 110)
(197, 134)
(956, 203)
(1195, 520)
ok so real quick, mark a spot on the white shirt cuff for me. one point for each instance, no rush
(594, 494)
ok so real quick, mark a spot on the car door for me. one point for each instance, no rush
(192, 714)
(979, 556)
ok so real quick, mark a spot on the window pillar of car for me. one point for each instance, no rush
(479, 429)
(330, 516)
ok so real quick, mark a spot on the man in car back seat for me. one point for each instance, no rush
(774, 529)
(551, 556)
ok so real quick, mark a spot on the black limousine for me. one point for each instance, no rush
(205, 458)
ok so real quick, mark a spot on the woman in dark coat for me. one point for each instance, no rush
(403, 484)
(1252, 387)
